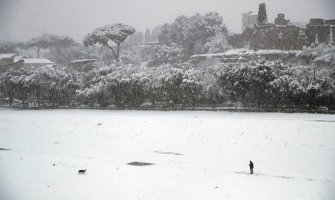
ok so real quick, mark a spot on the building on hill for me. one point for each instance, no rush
(321, 30)
(7, 58)
(82, 62)
(280, 20)
(282, 34)
(37, 62)
(299, 24)
(262, 16)
(34, 62)
(275, 36)
(7, 61)
(11, 61)
(249, 20)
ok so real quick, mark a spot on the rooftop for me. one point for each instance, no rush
(239, 52)
(37, 61)
(250, 13)
(7, 55)
(83, 60)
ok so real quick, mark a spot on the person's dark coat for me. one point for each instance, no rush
(251, 165)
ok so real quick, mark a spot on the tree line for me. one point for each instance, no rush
(256, 84)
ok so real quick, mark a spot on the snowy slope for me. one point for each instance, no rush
(196, 155)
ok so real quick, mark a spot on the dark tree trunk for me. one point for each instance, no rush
(38, 98)
(38, 52)
(117, 52)
(23, 103)
(10, 101)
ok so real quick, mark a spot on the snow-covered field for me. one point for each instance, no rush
(195, 155)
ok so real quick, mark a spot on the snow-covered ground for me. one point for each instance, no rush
(196, 155)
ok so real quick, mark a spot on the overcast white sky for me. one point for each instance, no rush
(22, 19)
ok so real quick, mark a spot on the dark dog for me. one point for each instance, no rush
(81, 171)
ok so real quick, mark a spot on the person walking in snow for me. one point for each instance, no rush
(251, 165)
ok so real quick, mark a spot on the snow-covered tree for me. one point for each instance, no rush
(181, 86)
(164, 54)
(7, 47)
(49, 41)
(127, 89)
(163, 34)
(248, 83)
(193, 32)
(8, 86)
(109, 36)
(191, 86)
(217, 44)
(322, 55)
(42, 42)
(95, 92)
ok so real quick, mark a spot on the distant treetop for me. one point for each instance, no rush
(115, 33)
